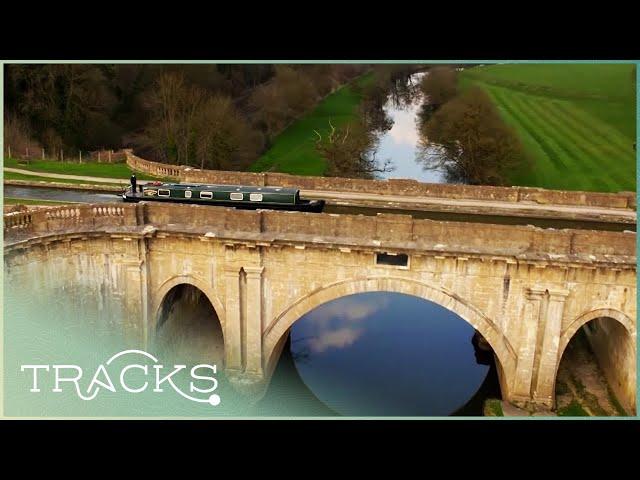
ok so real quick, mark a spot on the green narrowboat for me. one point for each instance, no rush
(238, 196)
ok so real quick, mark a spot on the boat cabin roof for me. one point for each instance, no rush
(227, 188)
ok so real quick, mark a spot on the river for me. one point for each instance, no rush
(400, 143)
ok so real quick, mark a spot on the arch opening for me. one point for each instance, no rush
(277, 330)
(596, 374)
(187, 327)
(392, 353)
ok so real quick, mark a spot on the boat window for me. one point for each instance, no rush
(236, 196)
(150, 193)
(187, 194)
(206, 194)
(164, 193)
(255, 197)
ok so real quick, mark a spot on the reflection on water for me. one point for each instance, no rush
(400, 143)
(385, 354)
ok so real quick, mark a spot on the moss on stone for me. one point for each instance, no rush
(493, 408)
(574, 409)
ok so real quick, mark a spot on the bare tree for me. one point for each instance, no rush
(17, 137)
(174, 105)
(154, 108)
(350, 151)
(439, 86)
(290, 94)
(192, 99)
(224, 140)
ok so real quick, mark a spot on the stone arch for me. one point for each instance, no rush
(586, 317)
(276, 330)
(581, 320)
(192, 337)
(161, 292)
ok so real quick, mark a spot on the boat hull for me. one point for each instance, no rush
(315, 206)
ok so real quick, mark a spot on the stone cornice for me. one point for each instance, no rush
(262, 228)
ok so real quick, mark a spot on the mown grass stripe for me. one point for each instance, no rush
(580, 127)
(588, 178)
(593, 154)
(549, 146)
(586, 155)
(577, 162)
(612, 135)
(598, 155)
(542, 172)
(586, 127)
(585, 163)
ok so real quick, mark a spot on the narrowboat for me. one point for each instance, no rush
(238, 196)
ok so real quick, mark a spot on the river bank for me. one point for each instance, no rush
(293, 151)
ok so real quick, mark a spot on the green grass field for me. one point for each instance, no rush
(577, 121)
(92, 169)
(293, 151)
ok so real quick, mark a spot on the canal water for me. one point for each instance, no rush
(60, 195)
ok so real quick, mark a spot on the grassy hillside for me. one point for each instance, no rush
(293, 151)
(577, 121)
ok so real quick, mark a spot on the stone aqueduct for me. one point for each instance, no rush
(526, 290)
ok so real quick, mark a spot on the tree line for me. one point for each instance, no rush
(463, 134)
(209, 116)
(226, 116)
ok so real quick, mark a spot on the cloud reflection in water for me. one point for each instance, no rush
(382, 353)
(336, 324)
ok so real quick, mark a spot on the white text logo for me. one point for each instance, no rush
(155, 377)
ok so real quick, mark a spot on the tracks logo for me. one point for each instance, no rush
(135, 371)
